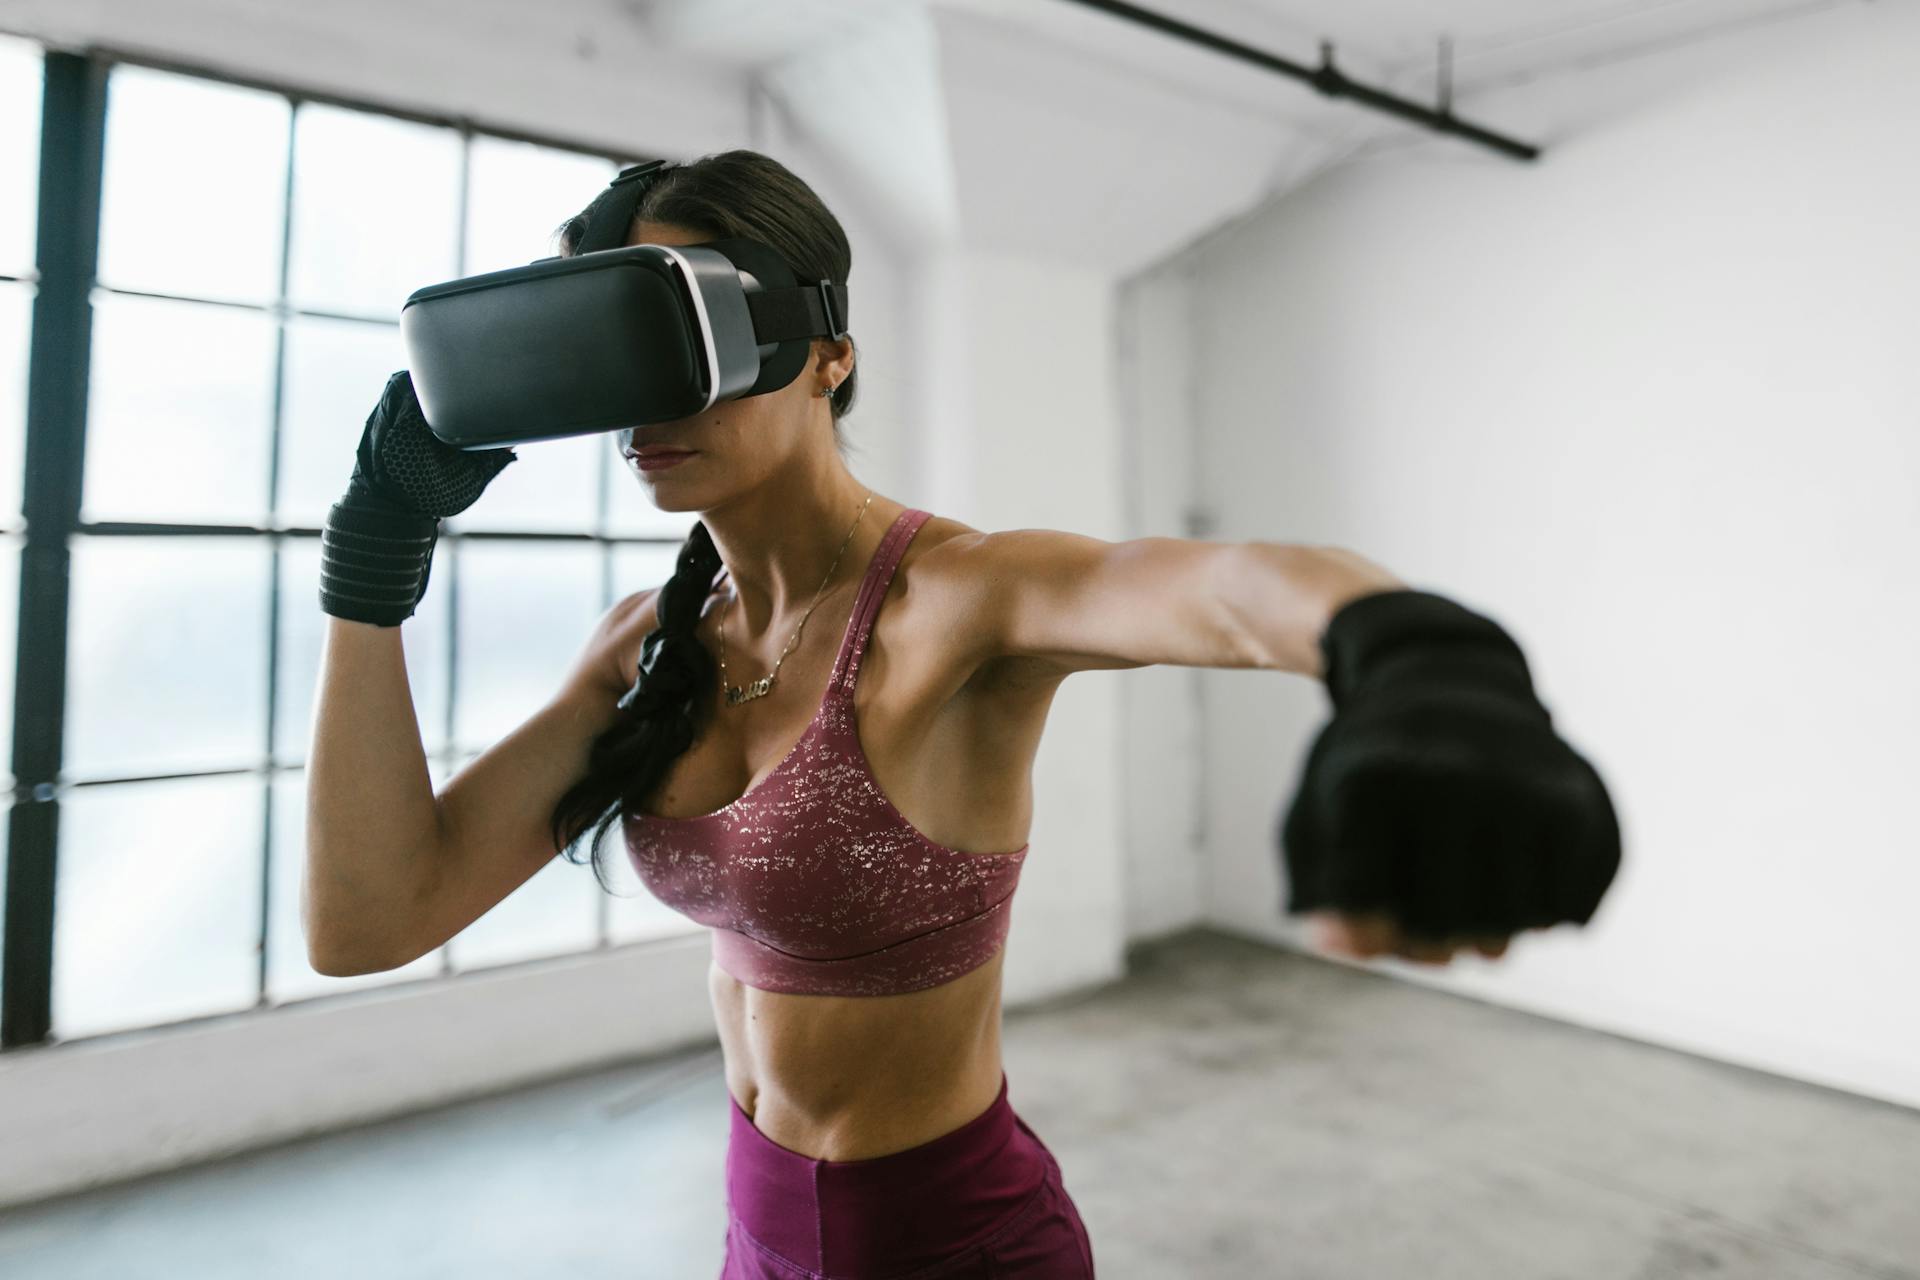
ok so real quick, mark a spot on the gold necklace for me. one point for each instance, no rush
(737, 695)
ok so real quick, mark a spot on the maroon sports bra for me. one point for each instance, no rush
(812, 882)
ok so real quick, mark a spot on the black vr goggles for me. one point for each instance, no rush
(615, 336)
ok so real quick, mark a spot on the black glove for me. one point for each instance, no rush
(376, 550)
(1439, 791)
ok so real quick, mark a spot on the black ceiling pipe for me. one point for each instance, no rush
(1326, 78)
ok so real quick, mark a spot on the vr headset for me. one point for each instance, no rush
(615, 336)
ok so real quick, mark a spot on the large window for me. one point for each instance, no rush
(251, 253)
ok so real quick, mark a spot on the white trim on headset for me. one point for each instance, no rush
(706, 325)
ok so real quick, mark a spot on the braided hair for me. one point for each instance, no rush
(660, 716)
(733, 193)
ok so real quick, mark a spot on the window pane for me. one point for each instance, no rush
(167, 655)
(20, 88)
(289, 976)
(9, 632)
(335, 372)
(303, 630)
(525, 613)
(640, 566)
(631, 512)
(16, 314)
(157, 904)
(553, 913)
(180, 412)
(195, 186)
(552, 488)
(376, 210)
(520, 194)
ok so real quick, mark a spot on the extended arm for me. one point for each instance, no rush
(1080, 603)
(1436, 808)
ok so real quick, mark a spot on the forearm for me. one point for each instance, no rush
(1280, 597)
(372, 819)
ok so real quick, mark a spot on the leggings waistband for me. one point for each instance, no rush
(890, 1214)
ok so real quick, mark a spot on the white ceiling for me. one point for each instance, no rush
(1512, 35)
(1049, 128)
(1494, 41)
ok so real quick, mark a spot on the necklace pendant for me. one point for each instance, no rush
(737, 695)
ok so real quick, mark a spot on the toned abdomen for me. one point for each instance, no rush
(856, 1077)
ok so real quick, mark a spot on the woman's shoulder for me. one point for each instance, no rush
(937, 556)
(980, 565)
(963, 578)
(947, 580)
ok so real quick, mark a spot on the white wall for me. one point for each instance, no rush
(882, 449)
(1651, 404)
(1046, 453)
(1163, 744)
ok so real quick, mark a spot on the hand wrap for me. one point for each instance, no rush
(1439, 791)
(376, 549)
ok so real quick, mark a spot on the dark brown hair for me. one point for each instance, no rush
(729, 194)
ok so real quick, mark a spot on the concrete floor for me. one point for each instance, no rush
(1228, 1111)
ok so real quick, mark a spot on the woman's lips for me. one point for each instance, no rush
(661, 460)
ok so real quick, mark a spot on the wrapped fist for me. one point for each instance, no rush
(1438, 806)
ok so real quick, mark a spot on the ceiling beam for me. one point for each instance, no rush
(1326, 78)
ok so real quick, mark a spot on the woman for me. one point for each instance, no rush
(825, 756)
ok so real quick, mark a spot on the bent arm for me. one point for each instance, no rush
(372, 821)
(394, 870)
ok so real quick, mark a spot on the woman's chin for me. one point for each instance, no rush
(669, 496)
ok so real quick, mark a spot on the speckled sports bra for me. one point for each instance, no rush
(812, 882)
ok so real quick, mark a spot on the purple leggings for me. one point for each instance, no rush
(984, 1200)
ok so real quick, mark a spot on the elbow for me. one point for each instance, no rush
(327, 965)
(330, 959)
(336, 952)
